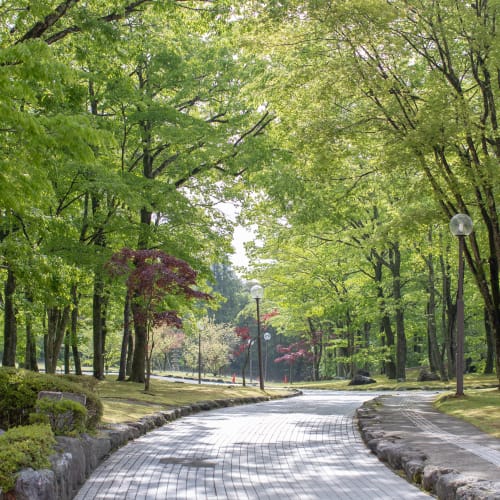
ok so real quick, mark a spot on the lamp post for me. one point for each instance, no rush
(257, 292)
(199, 352)
(267, 338)
(460, 226)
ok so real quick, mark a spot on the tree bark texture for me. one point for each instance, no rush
(57, 321)
(10, 321)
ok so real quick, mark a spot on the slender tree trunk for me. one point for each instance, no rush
(74, 331)
(67, 352)
(389, 366)
(130, 354)
(435, 361)
(10, 322)
(122, 373)
(138, 362)
(490, 345)
(395, 261)
(30, 360)
(448, 319)
(245, 364)
(140, 329)
(149, 355)
(98, 333)
(316, 348)
(366, 343)
(57, 322)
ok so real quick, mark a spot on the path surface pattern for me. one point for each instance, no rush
(300, 448)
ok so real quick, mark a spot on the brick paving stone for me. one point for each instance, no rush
(303, 448)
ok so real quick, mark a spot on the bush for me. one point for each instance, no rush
(66, 417)
(19, 393)
(21, 447)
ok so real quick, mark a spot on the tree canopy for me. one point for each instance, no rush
(349, 133)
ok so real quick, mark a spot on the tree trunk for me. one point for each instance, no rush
(98, 313)
(10, 322)
(435, 361)
(395, 266)
(57, 321)
(30, 361)
(490, 345)
(138, 362)
(244, 367)
(122, 372)
(389, 366)
(448, 318)
(130, 354)
(316, 347)
(66, 352)
(149, 355)
(74, 331)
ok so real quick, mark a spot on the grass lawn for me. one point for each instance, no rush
(479, 407)
(471, 381)
(126, 401)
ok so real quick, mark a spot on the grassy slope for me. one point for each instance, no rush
(125, 401)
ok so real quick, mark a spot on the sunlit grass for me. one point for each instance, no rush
(126, 401)
(471, 381)
(478, 407)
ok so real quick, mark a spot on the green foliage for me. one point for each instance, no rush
(19, 394)
(217, 342)
(66, 417)
(232, 291)
(20, 447)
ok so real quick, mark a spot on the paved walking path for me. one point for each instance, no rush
(303, 448)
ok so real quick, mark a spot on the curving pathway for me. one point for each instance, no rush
(303, 448)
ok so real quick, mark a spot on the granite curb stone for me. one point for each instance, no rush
(76, 458)
(391, 448)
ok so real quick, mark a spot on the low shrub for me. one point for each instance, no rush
(22, 447)
(19, 393)
(66, 417)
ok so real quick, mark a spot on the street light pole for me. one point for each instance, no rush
(267, 337)
(460, 226)
(199, 354)
(257, 292)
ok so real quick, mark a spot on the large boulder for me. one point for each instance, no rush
(425, 375)
(362, 380)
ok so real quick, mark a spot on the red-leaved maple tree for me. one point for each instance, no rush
(152, 277)
(292, 353)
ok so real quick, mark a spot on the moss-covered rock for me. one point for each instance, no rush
(19, 391)
(22, 447)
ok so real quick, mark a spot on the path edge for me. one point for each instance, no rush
(392, 449)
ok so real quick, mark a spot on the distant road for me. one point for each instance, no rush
(304, 448)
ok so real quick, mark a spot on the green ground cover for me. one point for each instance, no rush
(479, 407)
(125, 401)
(471, 381)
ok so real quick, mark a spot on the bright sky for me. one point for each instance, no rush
(241, 235)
